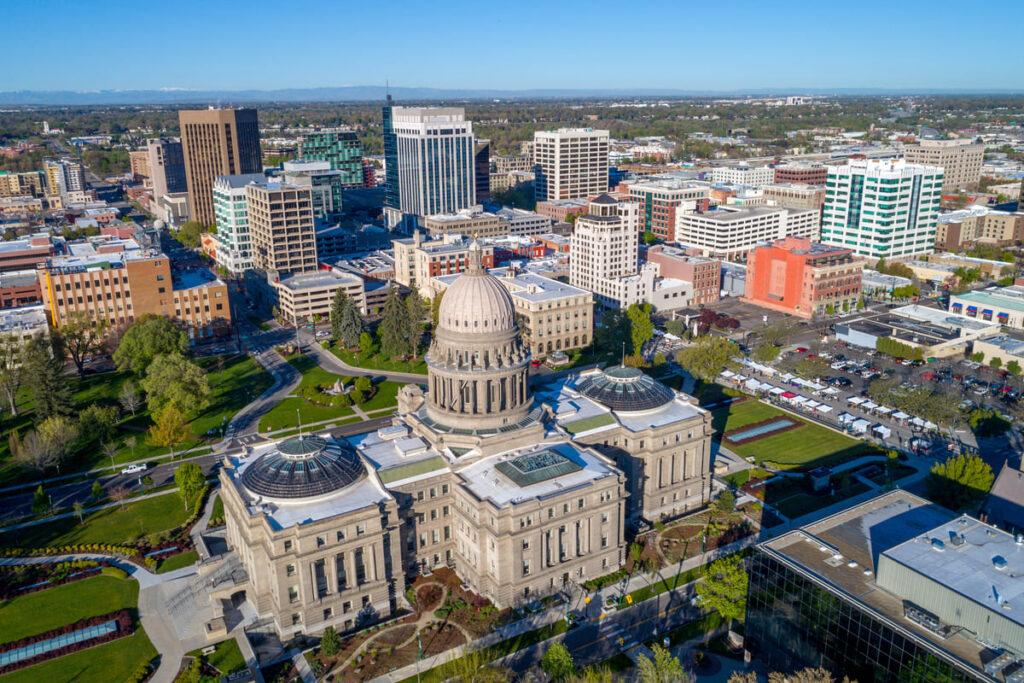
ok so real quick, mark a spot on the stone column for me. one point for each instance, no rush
(331, 570)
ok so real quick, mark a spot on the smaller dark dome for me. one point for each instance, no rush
(303, 467)
(626, 389)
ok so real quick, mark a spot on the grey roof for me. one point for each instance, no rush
(604, 198)
(1005, 502)
(237, 181)
(626, 389)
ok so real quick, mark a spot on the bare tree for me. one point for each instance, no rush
(130, 443)
(11, 372)
(119, 493)
(79, 509)
(35, 454)
(83, 336)
(110, 450)
(131, 399)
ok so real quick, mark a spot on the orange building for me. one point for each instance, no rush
(804, 278)
(119, 283)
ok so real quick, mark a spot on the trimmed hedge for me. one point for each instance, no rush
(125, 627)
(21, 579)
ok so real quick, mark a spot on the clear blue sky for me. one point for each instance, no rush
(94, 44)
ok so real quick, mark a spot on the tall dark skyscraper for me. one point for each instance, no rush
(482, 166)
(391, 193)
(216, 142)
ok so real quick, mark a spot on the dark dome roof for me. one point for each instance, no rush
(303, 467)
(626, 389)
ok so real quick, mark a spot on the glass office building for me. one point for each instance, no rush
(893, 589)
(340, 148)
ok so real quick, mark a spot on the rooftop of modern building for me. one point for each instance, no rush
(1009, 343)
(656, 183)
(195, 278)
(883, 167)
(510, 212)
(950, 256)
(238, 181)
(843, 551)
(801, 188)
(527, 286)
(317, 279)
(399, 456)
(1011, 297)
(734, 213)
(23, 319)
(806, 247)
(18, 278)
(464, 215)
(566, 203)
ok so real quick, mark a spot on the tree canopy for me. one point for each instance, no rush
(708, 357)
(959, 482)
(169, 429)
(189, 233)
(394, 327)
(347, 322)
(664, 668)
(189, 479)
(724, 588)
(557, 662)
(641, 328)
(172, 379)
(44, 376)
(82, 336)
(150, 336)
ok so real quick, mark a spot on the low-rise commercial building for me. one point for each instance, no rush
(804, 174)
(118, 282)
(937, 333)
(302, 296)
(26, 253)
(741, 174)
(1001, 305)
(731, 232)
(523, 222)
(1007, 348)
(465, 222)
(989, 268)
(661, 201)
(501, 182)
(417, 260)
(803, 278)
(19, 288)
(957, 229)
(704, 274)
(879, 284)
(560, 210)
(795, 195)
(24, 322)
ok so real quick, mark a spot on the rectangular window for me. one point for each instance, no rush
(287, 546)
(289, 570)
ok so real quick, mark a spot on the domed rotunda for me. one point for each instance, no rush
(477, 365)
(303, 467)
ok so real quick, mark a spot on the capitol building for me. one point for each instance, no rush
(520, 490)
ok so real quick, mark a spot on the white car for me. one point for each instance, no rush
(132, 469)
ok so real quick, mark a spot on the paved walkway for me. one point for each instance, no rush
(286, 378)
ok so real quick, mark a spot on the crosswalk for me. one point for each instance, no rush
(612, 632)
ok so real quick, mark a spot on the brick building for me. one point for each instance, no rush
(704, 273)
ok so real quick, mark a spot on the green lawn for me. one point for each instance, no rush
(113, 661)
(384, 398)
(282, 416)
(240, 381)
(810, 445)
(419, 366)
(54, 607)
(227, 659)
(178, 561)
(804, 503)
(110, 525)
(218, 509)
(260, 324)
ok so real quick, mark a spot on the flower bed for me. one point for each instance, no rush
(22, 579)
(125, 626)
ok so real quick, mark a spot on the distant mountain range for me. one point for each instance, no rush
(368, 93)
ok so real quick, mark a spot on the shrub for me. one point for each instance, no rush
(116, 572)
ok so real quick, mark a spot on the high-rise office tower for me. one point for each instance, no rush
(482, 166)
(340, 148)
(64, 176)
(216, 142)
(230, 205)
(429, 161)
(882, 207)
(166, 166)
(961, 161)
(570, 163)
(281, 227)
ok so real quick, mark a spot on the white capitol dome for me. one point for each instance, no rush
(476, 303)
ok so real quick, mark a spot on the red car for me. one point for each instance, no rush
(801, 349)
(535, 363)
(812, 355)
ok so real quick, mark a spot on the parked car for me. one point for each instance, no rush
(132, 469)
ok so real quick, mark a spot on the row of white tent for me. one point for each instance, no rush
(898, 415)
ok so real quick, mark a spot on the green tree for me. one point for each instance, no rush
(978, 357)
(996, 362)
(366, 345)
(97, 490)
(82, 336)
(40, 501)
(59, 434)
(393, 331)
(347, 323)
(726, 502)
(174, 380)
(150, 336)
(557, 662)
(45, 381)
(435, 307)
(641, 328)
(664, 668)
(766, 353)
(959, 482)
(189, 479)
(675, 327)
(189, 233)
(330, 643)
(169, 429)
(1013, 367)
(708, 357)
(98, 423)
(417, 311)
(724, 588)
(613, 334)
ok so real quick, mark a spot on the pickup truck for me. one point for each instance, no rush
(132, 469)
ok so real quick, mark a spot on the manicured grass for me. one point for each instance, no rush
(240, 381)
(810, 445)
(227, 658)
(419, 366)
(52, 608)
(177, 562)
(110, 525)
(313, 374)
(804, 503)
(743, 476)
(384, 398)
(218, 509)
(589, 423)
(282, 416)
(113, 661)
